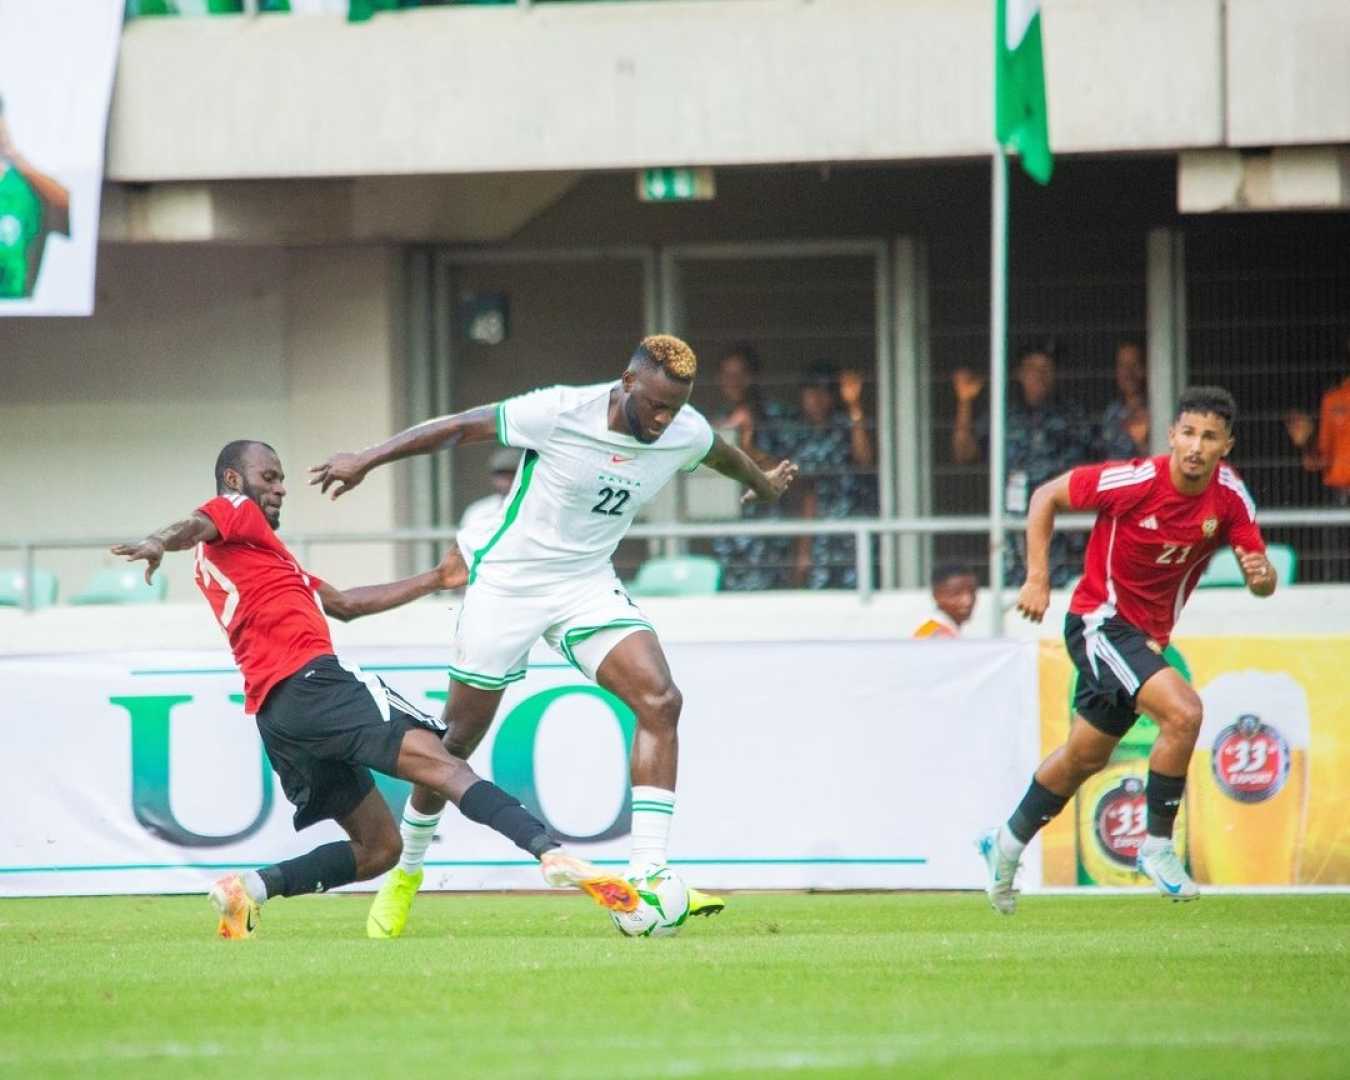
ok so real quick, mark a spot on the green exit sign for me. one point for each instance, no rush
(675, 185)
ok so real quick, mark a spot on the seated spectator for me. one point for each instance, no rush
(481, 516)
(745, 417)
(1124, 430)
(1329, 452)
(832, 445)
(1044, 437)
(953, 601)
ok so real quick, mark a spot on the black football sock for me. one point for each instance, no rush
(1163, 795)
(489, 805)
(324, 868)
(1038, 806)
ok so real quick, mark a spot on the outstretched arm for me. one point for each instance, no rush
(346, 470)
(1046, 501)
(195, 529)
(733, 462)
(349, 604)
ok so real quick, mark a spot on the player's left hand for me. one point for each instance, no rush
(780, 479)
(1256, 568)
(1033, 599)
(344, 470)
(452, 571)
(149, 549)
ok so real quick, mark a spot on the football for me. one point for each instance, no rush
(663, 904)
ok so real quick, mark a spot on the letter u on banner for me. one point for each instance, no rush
(513, 756)
(151, 719)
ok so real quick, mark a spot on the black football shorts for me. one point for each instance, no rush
(325, 727)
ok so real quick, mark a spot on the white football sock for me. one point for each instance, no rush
(254, 886)
(653, 812)
(1008, 845)
(417, 830)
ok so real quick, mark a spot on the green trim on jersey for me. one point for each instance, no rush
(578, 634)
(704, 458)
(501, 423)
(512, 511)
(484, 682)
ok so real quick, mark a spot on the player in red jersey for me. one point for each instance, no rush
(1159, 521)
(326, 723)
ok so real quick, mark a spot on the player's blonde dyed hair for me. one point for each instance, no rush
(670, 354)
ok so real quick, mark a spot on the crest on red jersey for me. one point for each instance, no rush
(1210, 527)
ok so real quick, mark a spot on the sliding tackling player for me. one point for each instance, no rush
(593, 456)
(326, 723)
(1159, 521)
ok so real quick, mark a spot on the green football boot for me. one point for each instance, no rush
(701, 903)
(389, 910)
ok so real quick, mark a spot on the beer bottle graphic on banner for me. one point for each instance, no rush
(1110, 809)
(1247, 789)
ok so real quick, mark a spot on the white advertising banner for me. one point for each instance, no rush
(57, 59)
(802, 765)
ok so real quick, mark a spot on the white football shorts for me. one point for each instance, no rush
(582, 621)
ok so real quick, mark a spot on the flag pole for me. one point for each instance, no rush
(998, 380)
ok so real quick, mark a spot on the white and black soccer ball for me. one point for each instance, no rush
(663, 904)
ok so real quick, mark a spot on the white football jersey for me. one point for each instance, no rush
(577, 488)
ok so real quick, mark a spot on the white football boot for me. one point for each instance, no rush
(1002, 873)
(1164, 869)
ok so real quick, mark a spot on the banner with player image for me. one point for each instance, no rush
(57, 59)
(1265, 801)
(803, 765)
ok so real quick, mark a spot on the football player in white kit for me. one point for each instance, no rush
(593, 456)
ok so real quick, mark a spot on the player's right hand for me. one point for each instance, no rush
(1033, 600)
(149, 549)
(343, 469)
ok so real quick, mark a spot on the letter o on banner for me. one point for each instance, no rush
(513, 755)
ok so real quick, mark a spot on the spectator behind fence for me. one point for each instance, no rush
(830, 445)
(1325, 442)
(953, 602)
(1045, 436)
(480, 517)
(754, 423)
(1124, 430)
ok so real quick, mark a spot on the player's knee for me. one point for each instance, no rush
(1185, 716)
(662, 705)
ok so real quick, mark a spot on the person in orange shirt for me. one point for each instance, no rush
(953, 601)
(1329, 453)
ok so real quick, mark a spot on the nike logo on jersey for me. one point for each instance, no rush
(620, 459)
(1150, 522)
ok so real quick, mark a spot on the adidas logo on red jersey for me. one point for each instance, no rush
(1150, 522)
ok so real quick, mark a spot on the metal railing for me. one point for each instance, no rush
(861, 529)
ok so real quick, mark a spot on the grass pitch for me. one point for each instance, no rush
(856, 986)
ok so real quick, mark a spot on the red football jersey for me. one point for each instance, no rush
(268, 606)
(1151, 543)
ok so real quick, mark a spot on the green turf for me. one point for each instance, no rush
(908, 985)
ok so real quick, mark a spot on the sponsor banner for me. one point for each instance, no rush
(1264, 805)
(829, 765)
(56, 72)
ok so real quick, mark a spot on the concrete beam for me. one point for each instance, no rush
(448, 209)
(585, 86)
(1287, 178)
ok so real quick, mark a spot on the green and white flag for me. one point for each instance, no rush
(1020, 117)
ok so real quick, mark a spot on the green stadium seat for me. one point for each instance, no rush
(122, 586)
(11, 588)
(689, 575)
(1224, 572)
